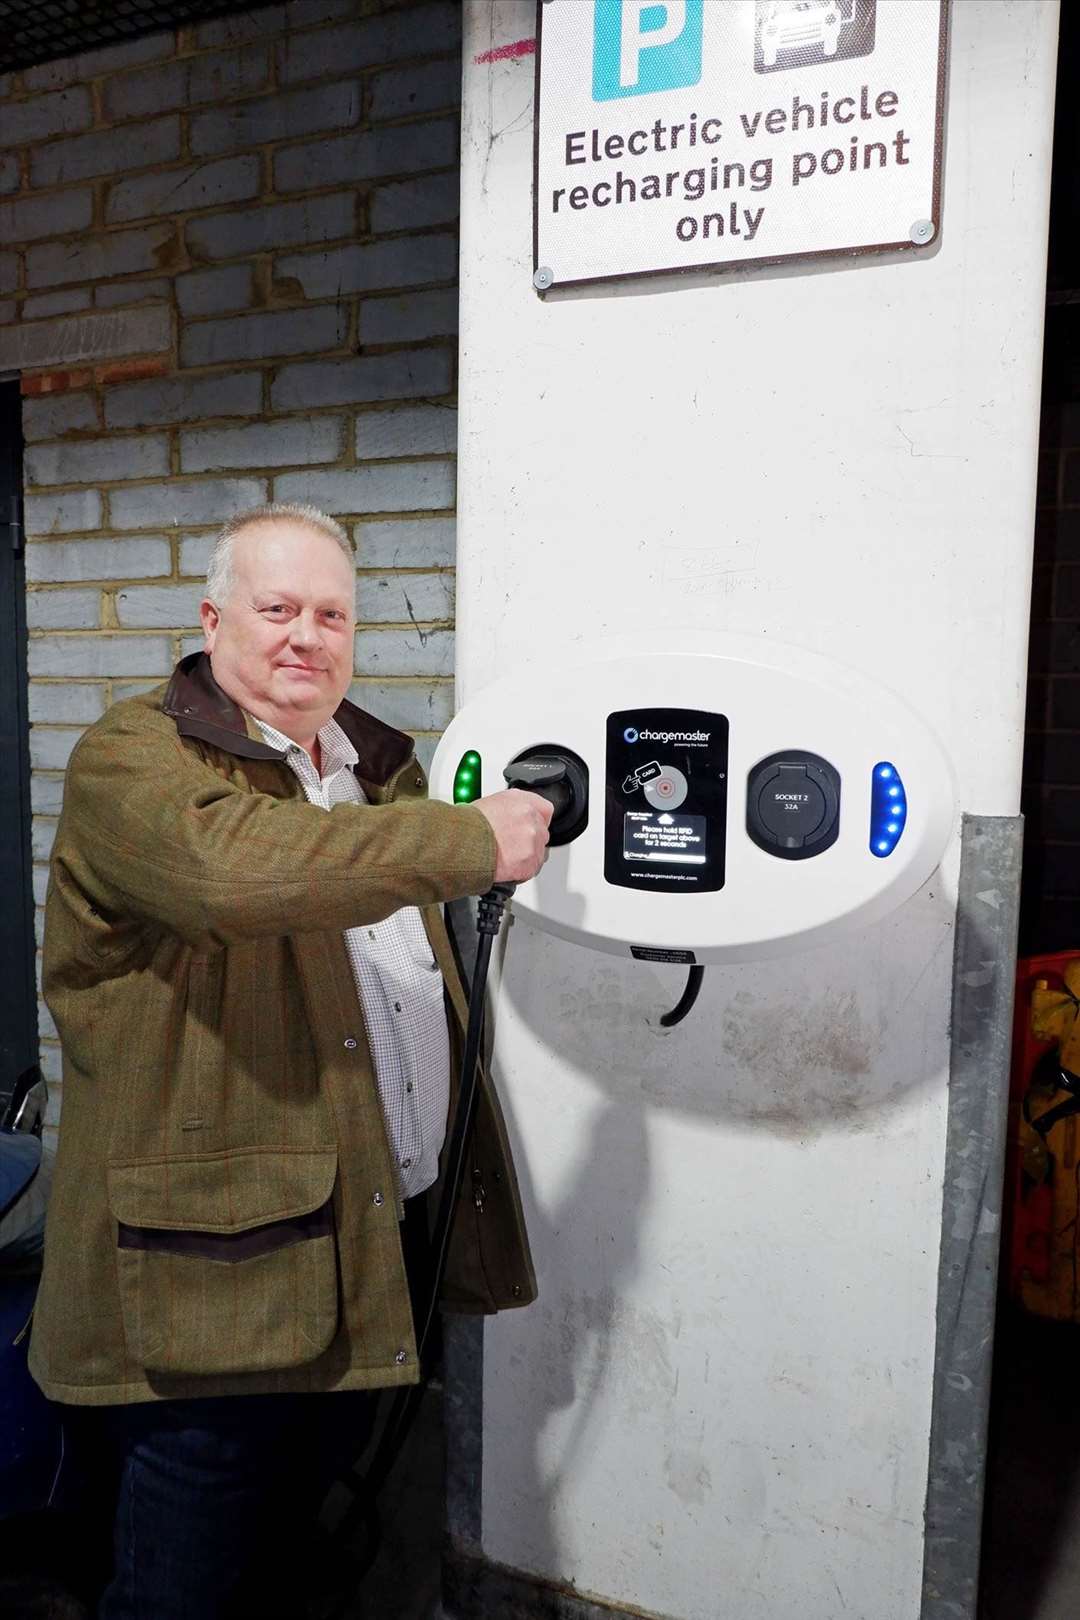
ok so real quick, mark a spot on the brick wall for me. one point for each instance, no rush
(228, 273)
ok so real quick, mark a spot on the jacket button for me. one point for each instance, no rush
(350, 1045)
(516, 1290)
(377, 1200)
(418, 781)
(401, 1358)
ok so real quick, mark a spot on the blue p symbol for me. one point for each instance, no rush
(643, 45)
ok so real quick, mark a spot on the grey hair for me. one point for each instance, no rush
(219, 573)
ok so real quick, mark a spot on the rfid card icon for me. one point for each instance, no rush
(644, 45)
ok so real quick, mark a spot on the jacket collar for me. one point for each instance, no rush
(201, 709)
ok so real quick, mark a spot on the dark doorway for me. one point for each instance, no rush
(1031, 1540)
(18, 995)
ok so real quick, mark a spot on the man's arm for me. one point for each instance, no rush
(152, 832)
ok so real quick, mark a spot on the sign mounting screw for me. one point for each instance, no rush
(923, 231)
(543, 278)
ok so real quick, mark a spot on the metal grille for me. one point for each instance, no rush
(38, 30)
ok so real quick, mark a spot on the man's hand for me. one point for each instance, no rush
(519, 821)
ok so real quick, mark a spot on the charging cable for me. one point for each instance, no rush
(406, 1402)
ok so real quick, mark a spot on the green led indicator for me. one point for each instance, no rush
(467, 778)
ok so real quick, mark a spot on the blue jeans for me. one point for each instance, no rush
(217, 1500)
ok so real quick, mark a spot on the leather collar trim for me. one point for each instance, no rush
(201, 709)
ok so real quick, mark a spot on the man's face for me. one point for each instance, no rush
(282, 643)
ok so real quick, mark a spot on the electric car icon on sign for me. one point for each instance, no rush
(793, 25)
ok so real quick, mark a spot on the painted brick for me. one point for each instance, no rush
(169, 505)
(420, 430)
(399, 262)
(55, 303)
(404, 652)
(49, 418)
(10, 174)
(42, 837)
(158, 607)
(276, 118)
(425, 87)
(66, 703)
(359, 381)
(192, 644)
(391, 150)
(176, 191)
(129, 292)
(92, 336)
(8, 311)
(245, 25)
(261, 230)
(99, 655)
(384, 487)
(9, 272)
(63, 514)
(27, 219)
(47, 1030)
(92, 64)
(410, 204)
(405, 598)
(424, 748)
(410, 318)
(46, 796)
(414, 543)
(61, 113)
(99, 461)
(98, 258)
(50, 1060)
(409, 705)
(214, 78)
(303, 441)
(255, 337)
(174, 84)
(107, 151)
(417, 31)
(147, 92)
(63, 610)
(195, 554)
(51, 750)
(212, 292)
(122, 690)
(41, 884)
(148, 557)
(183, 399)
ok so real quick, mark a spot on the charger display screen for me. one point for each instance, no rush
(666, 799)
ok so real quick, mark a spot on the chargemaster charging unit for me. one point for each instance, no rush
(730, 544)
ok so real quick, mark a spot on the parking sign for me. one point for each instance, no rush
(680, 135)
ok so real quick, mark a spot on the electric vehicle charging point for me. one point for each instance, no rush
(788, 506)
(737, 783)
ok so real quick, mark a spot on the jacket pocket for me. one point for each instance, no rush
(227, 1262)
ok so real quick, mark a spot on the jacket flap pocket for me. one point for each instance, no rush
(223, 1192)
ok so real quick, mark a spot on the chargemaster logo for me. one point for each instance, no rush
(645, 45)
(645, 735)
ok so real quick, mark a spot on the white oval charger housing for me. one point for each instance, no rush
(745, 801)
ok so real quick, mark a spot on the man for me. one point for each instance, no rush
(246, 961)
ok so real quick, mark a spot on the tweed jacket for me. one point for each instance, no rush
(224, 1218)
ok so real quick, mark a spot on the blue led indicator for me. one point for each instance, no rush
(888, 809)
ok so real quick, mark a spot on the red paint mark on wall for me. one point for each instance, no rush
(507, 53)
